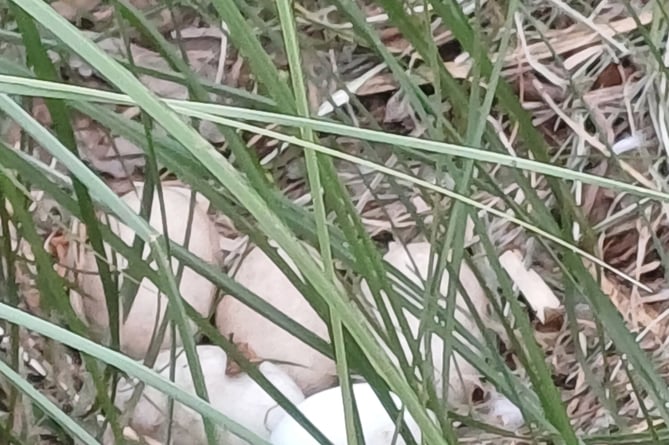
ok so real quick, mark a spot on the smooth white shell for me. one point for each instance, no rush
(326, 411)
(312, 371)
(148, 306)
(504, 413)
(237, 397)
(416, 257)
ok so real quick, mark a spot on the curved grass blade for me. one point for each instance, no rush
(32, 87)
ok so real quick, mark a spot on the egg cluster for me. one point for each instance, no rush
(292, 366)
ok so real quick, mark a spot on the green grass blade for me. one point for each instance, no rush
(353, 428)
(244, 38)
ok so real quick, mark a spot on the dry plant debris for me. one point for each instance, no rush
(233, 367)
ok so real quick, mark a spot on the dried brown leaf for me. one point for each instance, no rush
(613, 75)
(245, 350)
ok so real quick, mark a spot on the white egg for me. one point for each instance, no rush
(416, 257)
(237, 397)
(504, 413)
(148, 306)
(326, 411)
(312, 370)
